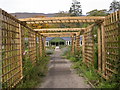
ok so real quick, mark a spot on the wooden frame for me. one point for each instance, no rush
(59, 29)
(62, 19)
(13, 34)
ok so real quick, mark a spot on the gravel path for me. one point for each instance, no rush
(60, 75)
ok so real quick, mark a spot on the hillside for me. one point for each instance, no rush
(27, 15)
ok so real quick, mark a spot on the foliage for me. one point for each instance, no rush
(114, 6)
(75, 9)
(33, 73)
(96, 12)
(96, 56)
(90, 73)
(93, 77)
(62, 14)
(57, 39)
(49, 51)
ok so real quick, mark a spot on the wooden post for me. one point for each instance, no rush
(40, 41)
(72, 48)
(83, 47)
(20, 36)
(78, 42)
(99, 50)
(1, 48)
(44, 41)
(103, 48)
(36, 38)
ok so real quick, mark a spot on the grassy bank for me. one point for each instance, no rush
(33, 74)
(90, 73)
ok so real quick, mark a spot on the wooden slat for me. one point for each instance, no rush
(20, 50)
(59, 33)
(103, 48)
(0, 47)
(59, 29)
(99, 50)
(62, 19)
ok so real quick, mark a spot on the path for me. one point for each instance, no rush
(60, 75)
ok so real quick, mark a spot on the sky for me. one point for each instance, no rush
(51, 6)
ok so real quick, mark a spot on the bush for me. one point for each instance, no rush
(49, 52)
(33, 73)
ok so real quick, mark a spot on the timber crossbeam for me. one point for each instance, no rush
(62, 19)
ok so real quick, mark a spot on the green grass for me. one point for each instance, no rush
(33, 74)
(91, 72)
(93, 77)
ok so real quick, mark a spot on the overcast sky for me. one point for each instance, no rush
(51, 6)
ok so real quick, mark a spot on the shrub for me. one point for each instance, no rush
(33, 73)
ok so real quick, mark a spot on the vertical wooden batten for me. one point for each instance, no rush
(99, 49)
(103, 48)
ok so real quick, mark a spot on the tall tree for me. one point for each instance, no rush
(75, 9)
(114, 6)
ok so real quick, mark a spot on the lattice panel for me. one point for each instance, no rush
(89, 47)
(11, 55)
(32, 46)
(112, 46)
(38, 46)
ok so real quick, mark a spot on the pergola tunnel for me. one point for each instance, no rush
(19, 42)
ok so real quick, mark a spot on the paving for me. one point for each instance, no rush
(60, 74)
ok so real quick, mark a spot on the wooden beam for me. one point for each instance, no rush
(59, 33)
(59, 29)
(63, 19)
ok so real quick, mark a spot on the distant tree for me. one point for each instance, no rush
(62, 14)
(96, 12)
(114, 6)
(75, 9)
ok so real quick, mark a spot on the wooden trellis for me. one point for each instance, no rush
(18, 40)
(11, 50)
(88, 47)
(32, 46)
(111, 45)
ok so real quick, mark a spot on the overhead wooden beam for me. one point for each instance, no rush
(59, 33)
(59, 29)
(62, 19)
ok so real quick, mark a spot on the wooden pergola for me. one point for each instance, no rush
(14, 33)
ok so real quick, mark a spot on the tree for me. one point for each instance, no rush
(114, 6)
(75, 9)
(62, 14)
(96, 12)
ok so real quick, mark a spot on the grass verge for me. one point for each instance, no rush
(33, 74)
(90, 73)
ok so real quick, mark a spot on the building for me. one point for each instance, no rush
(57, 41)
